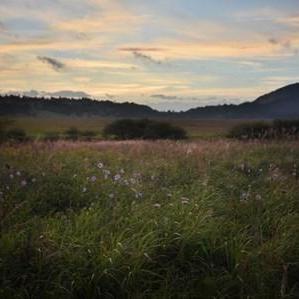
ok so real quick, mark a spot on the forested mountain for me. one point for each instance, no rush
(282, 103)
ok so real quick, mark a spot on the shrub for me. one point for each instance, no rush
(143, 129)
(4, 123)
(16, 134)
(51, 136)
(162, 130)
(263, 130)
(256, 130)
(88, 135)
(286, 127)
(72, 133)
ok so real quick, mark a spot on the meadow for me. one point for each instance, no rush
(138, 219)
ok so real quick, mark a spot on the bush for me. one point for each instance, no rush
(161, 130)
(286, 127)
(4, 123)
(88, 135)
(51, 136)
(72, 133)
(263, 130)
(16, 134)
(143, 129)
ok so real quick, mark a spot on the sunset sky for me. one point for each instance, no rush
(170, 54)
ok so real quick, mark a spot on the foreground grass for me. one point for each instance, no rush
(149, 220)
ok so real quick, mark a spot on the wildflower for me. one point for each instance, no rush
(18, 173)
(100, 165)
(122, 171)
(111, 195)
(132, 181)
(157, 205)
(43, 174)
(117, 177)
(189, 151)
(93, 178)
(138, 194)
(11, 176)
(244, 196)
(23, 183)
(33, 180)
(106, 173)
(152, 177)
(84, 189)
(258, 197)
(185, 202)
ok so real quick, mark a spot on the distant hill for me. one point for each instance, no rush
(281, 103)
(13, 105)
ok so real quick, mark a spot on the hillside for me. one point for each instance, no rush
(282, 103)
(32, 106)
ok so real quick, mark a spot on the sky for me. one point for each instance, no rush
(169, 54)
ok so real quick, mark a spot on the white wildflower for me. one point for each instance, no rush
(258, 197)
(117, 177)
(100, 165)
(11, 176)
(132, 181)
(23, 183)
(18, 173)
(157, 205)
(93, 178)
(84, 189)
(138, 194)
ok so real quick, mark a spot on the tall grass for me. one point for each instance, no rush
(149, 220)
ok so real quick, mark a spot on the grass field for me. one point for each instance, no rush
(38, 126)
(209, 219)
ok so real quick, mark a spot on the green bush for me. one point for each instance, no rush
(88, 135)
(16, 134)
(264, 130)
(72, 133)
(51, 136)
(286, 127)
(143, 129)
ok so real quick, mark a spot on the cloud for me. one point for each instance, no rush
(140, 49)
(287, 45)
(61, 93)
(164, 97)
(146, 58)
(54, 63)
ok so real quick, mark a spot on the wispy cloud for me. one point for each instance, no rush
(164, 97)
(146, 58)
(141, 49)
(53, 63)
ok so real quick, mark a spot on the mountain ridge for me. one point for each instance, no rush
(280, 103)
